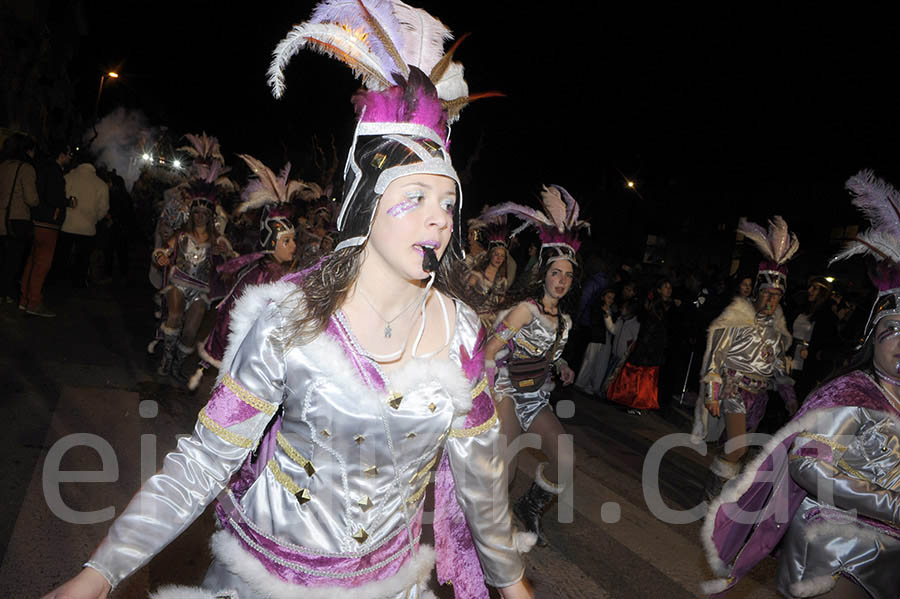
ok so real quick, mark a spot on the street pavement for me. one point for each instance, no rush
(86, 373)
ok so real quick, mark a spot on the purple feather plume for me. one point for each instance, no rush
(413, 101)
(878, 201)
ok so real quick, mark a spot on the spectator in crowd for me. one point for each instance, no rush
(90, 205)
(596, 358)
(637, 384)
(48, 217)
(18, 195)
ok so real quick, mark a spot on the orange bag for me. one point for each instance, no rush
(636, 387)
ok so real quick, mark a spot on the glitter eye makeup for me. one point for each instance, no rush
(448, 205)
(891, 330)
(401, 209)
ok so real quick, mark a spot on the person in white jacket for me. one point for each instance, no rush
(91, 204)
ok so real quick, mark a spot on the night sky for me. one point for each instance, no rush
(714, 113)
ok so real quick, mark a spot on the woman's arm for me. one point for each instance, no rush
(515, 320)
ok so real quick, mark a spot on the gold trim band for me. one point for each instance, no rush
(223, 433)
(294, 454)
(475, 430)
(481, 386)
(247, 397)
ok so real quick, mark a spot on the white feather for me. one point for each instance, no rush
(301, 35)
(452, 85)
(880, 240)
(422, 36)
(555, 206)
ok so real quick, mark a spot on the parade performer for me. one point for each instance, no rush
(495, 270)
(277, 245)
(528, 341)
(826, 486)
(188, 260)
(745, 354)
(330, 413)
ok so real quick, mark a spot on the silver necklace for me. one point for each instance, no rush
(387, 323)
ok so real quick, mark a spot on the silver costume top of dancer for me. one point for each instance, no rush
(533, 340)
(193, 260)
(335, 496)
(745, 343)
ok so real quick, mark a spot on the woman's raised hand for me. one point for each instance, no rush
(88, 584)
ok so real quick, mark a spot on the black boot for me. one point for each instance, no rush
(178, 364)
(168, 353)
(720, 472)
(530, 509)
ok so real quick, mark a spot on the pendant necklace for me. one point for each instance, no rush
(387, 323)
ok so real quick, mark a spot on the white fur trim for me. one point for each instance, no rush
(194, 381)
(247, 309)
(169, 331)
(741, 313)
(715, 586)
(151, 347)
(183, 592)
(201, 351)
(239, 562)
(739, 485)
(524, 541)
(185, 349)
(813, 586)
(725, 468)
(545, 484)
(417, 372)
(701, 422)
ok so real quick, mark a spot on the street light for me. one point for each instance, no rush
(111, 75)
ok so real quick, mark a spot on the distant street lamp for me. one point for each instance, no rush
(111, 75)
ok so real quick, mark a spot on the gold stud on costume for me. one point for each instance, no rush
(325, 434)
(302, 496)
(361, 536)
(365, 503)
(432, 407)
(359, 439)
(394, 400)
(371, 471)
(411, 436)
(378, 160)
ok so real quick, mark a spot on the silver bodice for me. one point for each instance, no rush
(850, 521)
(192, 259)
(346, 474)
(532, 340)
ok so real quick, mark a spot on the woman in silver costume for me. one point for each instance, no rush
(343, 385)
(827, 486)
(528, 340)
(188, 256)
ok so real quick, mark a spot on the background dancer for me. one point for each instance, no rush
(494, 270)
(837, 525)
(745, 354)
(188, 259)
(329, 416)
(528, 341)
(276, 258)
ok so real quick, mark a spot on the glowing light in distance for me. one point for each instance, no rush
(829, 279)
(146, 157)
(176, 163)
(113, 75)
(630, 184)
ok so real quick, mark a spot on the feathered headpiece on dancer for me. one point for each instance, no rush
(209, 171)
(493, 230)
(777, 245)
(413, 91)
(557, 227)
(273, 194)
(880, 204)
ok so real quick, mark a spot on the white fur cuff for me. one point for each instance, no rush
(725, 468)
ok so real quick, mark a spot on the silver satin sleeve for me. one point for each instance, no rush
(851, 474)
(716, 349)
(478, 469)
(199, 468)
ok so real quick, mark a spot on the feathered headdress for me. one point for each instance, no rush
(493, 229)
(273, 194)
(413, 88)
(880, 204)
(557, 227)
(208, 167)
(777, 245)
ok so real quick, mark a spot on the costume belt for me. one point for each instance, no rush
(745, 381)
